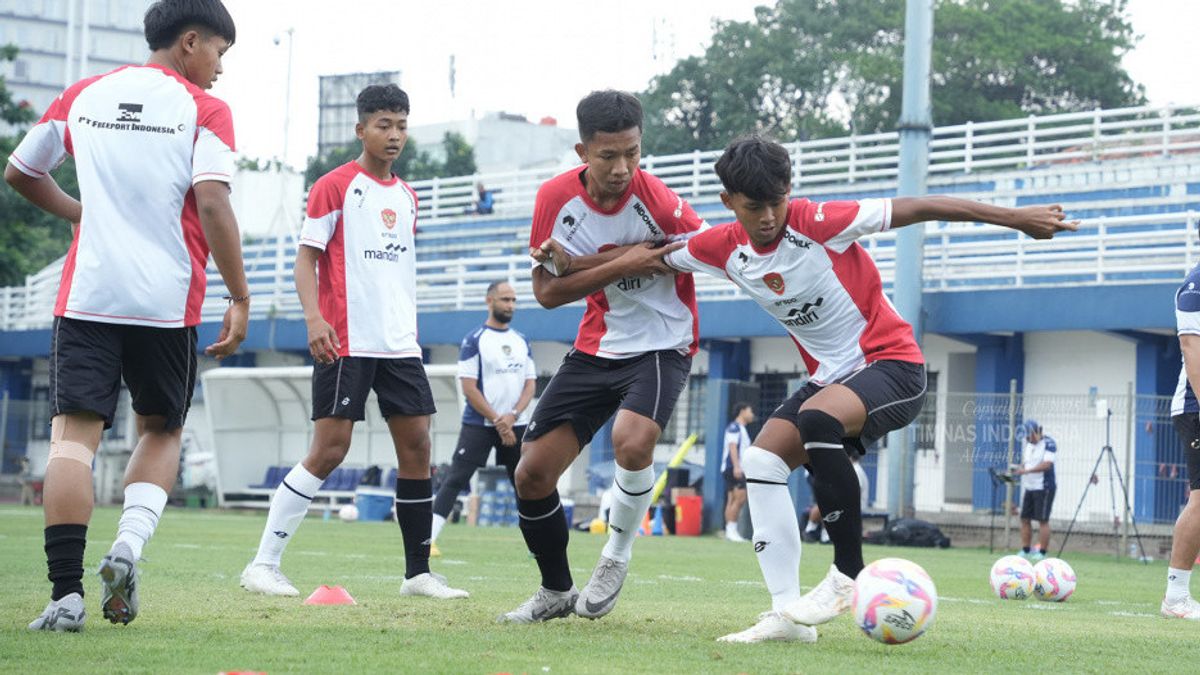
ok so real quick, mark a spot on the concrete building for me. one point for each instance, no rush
(337, 110)
(504, 142)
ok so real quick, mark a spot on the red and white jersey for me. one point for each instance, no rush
(633, 315)
(367, 277)
(817, 281)
(141, 136)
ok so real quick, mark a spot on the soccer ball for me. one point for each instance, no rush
(1012, 578)
(1053, 580)
(348, 513)
(894, 601)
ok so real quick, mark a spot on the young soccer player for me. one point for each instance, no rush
(498, 376)
(361, 313)
(800, 262)
(1178, 602)
(737, 439)
(631, 357)
(154, 155)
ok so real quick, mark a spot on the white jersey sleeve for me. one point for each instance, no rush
(322, 213)
(213, 155)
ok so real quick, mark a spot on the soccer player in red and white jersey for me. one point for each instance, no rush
(361, 311)
(154, 156)
(631, 357)
(799, 260)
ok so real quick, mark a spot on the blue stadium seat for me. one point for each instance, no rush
(273, 477)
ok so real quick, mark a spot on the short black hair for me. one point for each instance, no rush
(739, 407)
(609, 111)
(756, 167)
(491, 289)
(166, 20)
(376, 97)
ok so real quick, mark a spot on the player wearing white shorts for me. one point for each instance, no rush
(154, 155)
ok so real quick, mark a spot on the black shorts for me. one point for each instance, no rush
(892, 392)
(587, 390)
(88, 360)
(1187, 426)
(475, 443)
(1036, 505)
(732, 483)
(340, 388)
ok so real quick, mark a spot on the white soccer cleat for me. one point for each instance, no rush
(268, 580)
(429, 586)
(1186, 608)
(772, 626)
(543, 606)
(65, 615)
(826, 602)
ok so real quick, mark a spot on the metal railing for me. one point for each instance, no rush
(1024, 143)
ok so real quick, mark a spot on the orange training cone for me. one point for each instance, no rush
(644, 530)
(330, 595)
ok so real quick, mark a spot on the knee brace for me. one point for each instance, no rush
(820, 430)
(71, 450)
(764, 466)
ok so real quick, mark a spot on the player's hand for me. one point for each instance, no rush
(233, 331)
(323, 341)
(738, 474)
(508, 437)
(551, 250)
(1043, 222)
(646, 260)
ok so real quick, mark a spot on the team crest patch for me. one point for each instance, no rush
(506, 349)
(774, 281)
(389, 218)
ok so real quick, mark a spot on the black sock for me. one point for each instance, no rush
(414, 512)
(1025, 549)
(64, 558)
(835, 485)
(544, 526)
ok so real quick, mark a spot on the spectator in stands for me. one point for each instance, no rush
(486, 202)
(737, 439)
(1037, 488)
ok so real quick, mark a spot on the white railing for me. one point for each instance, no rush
(1034, 141)
(1153, 248)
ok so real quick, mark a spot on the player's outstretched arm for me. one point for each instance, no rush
(225, 243)
(638, 260)
(1040, 222)
(44, 193)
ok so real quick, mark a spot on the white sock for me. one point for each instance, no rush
(824, 536)
(144, 504)
(776, 528)
(438, 523)
(810, 527)
(631, 497)
(1177, 584)
(288, 507)
(730, 528)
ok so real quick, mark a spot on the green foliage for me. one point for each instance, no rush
(804, 69)
(30, 238)
(412, 164)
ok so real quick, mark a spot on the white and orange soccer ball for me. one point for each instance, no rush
(894, 601)
(1012, 578)
(1053, 580)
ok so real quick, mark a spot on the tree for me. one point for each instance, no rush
(30, 238)
(805, 69)
(460, 156)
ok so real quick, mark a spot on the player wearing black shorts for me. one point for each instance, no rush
(737, 439)
(498, 376)
(632, 355)
(800, 262)
(362, 333)
(1185, 415)
(133, 283)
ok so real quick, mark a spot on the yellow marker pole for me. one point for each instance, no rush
(661, 483)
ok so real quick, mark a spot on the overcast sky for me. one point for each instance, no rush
(533, 57)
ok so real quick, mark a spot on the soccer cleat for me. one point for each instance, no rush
(731, 534)
(65, 615)
(599, 596)
(268, 580)
(429, 586)
(434, 551)
(1024, 554)
(118, 576)
(543, 606)
(1187, 608)
(772, 626)
(1036, 555)
(830, 598)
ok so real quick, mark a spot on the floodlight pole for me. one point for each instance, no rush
(916, 126)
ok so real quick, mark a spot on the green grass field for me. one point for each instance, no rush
(681, 594)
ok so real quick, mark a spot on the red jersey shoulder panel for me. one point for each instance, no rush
(550, 199)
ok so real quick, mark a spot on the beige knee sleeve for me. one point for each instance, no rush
(60, 448)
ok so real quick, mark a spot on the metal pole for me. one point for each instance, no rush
(915, 127)
(1012, 444)
(1129, 422)
(287, 97)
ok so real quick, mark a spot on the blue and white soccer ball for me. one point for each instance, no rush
(894, 601)
(1012, 578)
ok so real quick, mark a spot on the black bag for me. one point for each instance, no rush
(909, 532)
(371, 477)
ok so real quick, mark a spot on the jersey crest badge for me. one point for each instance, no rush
(389, 218)
(774, 281)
